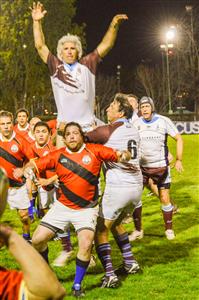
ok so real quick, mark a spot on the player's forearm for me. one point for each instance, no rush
(108, 40)
(34, 267)
(179, 148)
(39, 38)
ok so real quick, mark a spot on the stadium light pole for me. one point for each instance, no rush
(169, 37)
(118, 77)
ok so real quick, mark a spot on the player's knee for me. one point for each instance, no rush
(24, 218)
(37, 242)
(164, 197)
(86, 245)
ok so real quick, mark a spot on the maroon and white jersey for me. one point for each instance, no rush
(74, 88)
(153, 140)
(120, 135)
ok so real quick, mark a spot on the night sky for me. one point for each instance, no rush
(139, 37)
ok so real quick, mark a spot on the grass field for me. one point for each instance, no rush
(170, 269)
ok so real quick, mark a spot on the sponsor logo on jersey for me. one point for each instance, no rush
(86, 159)
(14, 148)
(64, 160)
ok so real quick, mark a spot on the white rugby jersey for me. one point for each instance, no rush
(134, 117)
(153, 140)
(120, 135)
(74, 88)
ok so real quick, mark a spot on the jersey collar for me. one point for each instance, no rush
(21, 128)
(154, 118)
(6, 140)
(68, 67)
(124, 120)
(79, 151)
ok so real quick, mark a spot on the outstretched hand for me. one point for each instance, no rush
(38, 11)
(118, 19)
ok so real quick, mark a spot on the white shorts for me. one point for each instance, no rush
(18, 198)
(45, 197)
(60, 216)
(118, 199)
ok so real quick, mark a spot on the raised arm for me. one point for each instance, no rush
(38, 14)
(108, 40)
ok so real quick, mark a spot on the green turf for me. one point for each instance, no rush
(170, 268)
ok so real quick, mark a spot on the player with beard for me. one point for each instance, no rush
(77, 167)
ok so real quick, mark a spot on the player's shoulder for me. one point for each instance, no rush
(138, 121)
(20, 139)
(164, 118)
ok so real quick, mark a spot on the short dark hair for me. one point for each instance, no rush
(124, 105)
(78, 126)
(5, 113)
(22, 110)
(41, 123)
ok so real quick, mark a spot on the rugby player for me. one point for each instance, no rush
(77, 167)
(123, 188)
(154, 130)
(14, 152)
(73, 76)
(30, 137)
(22, 127)
(41, 147)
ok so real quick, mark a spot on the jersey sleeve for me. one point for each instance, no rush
(47, 162)
(52, 62)
(91, 61)
(171, 128)
(104, 153)
(10, 282)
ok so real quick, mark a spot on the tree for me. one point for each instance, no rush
(23, 76)
(106, 88)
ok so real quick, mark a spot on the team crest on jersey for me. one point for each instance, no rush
(64, 160)
(14, 148)
(45, 153)
(86, 159)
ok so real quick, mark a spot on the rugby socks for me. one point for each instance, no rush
(31, 209)
(44, 254)
(137, 217)
(125, 248)
(65, 240)
(104, 254)
(81, 267)
(26, 236)
(167, 211)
